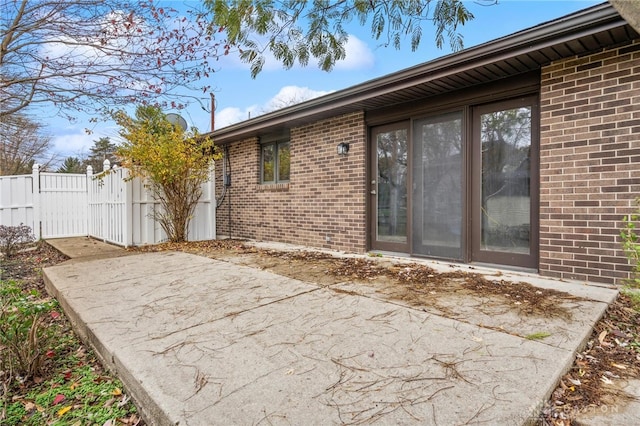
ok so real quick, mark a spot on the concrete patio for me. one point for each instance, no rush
(198, 341)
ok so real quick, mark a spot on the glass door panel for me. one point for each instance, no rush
(390, 187)
(503, 201)
(438, 189)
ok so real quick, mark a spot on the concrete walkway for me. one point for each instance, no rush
(198, 341)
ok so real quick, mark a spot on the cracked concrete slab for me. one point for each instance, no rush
(201, 342)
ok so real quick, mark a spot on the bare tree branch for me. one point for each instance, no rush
(22, 144)
(93, 55)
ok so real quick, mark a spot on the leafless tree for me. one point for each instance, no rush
(90, 55)
(23, 143)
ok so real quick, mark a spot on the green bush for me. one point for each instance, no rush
(24, 333)
(631, 243)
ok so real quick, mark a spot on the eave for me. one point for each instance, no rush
(578, 34)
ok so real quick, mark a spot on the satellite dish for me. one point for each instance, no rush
(177, 120)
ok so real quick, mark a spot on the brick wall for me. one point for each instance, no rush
(590, 162)
(323, 205)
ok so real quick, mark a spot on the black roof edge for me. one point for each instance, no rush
(584, 22)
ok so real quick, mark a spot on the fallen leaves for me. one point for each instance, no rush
(23, 264)
(591, 382)
(602, 336)
(540, 335)
(606, 380)
(61, 412)
(58, 399)
(357, 268)
(199, 247)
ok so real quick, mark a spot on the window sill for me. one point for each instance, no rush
(272, 187)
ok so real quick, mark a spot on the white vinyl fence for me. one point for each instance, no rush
(107, 206)
(17, 201)
(62, 203)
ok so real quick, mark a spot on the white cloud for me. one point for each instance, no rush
(358, 55)
(231, 115)
(291, 95)
(287, 96)
(74, 142)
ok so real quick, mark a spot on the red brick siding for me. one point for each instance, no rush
(323, 205)
(589, 161)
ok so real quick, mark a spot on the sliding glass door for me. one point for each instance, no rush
(504, 202)
(389, 187)
(460, 185)
(438, 186)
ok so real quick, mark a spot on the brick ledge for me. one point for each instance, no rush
(272, 187)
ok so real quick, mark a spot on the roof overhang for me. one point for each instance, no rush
(580, 33)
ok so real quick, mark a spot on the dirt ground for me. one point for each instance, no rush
(26, 266)
(612, 352)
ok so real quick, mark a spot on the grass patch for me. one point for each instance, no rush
(81, 395)
(47, 376)
(71, 387)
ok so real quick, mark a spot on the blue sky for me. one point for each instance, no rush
(238, 96)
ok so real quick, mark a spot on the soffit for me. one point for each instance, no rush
(578, 34)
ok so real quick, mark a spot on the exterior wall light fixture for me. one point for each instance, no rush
(343, 148)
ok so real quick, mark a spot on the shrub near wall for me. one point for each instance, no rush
(323, 205)
(590, 162)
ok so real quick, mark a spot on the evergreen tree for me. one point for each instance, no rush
(72, 165)
(102, 149)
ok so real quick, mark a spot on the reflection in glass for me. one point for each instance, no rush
(437, 208)
(505, 202)
(392, 186)
(268, 162)
(283, 161)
